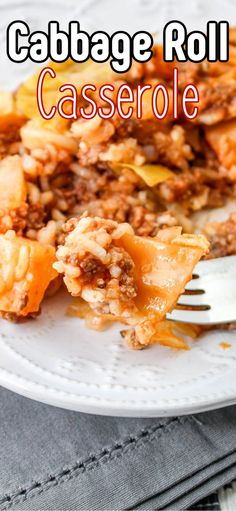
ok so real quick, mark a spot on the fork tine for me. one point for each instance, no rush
(193, 284)
(190, 316)
(194, 307)
(217, 277)
(192, 300)
(191, 292)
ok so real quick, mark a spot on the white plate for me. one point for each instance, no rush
(56, 359)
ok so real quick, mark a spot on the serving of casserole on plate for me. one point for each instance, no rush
(99, 234)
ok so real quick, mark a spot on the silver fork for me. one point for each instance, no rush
(210, 297)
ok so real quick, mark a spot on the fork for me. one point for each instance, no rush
(210, 297)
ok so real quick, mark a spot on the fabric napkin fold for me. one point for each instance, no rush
(56, 459)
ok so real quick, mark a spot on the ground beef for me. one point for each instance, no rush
(222, 236)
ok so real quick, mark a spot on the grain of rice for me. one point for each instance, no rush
(72, 284)
(59, 224)
(72, 271)
(91, 295)
(121, 230)
(39, 154)
(44, 183)
(10, 235)
(62, 252)
(92, 247)
(62, 204)
(52, 151)
(33, 193)
(49, 168)
(57, 215)
(115, 271)
(46, 197)
(30, 165)
(22, 263)
(47, 235)
(6, 222)
(31, 234)
(58, 266)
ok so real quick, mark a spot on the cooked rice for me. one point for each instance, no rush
(74, 170)
(95, 268)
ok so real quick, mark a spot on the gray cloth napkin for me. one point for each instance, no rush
(53, 459)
